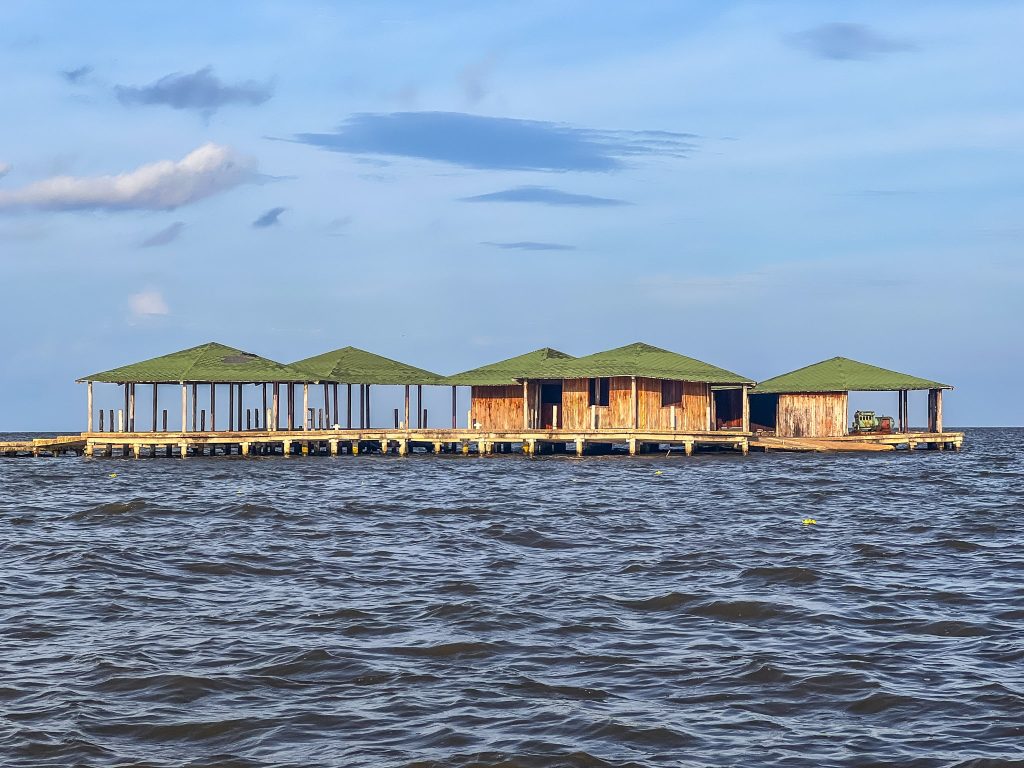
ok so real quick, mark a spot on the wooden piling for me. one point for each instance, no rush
(305, 405)
(213, 408)
(195, 407)
(231, 407)
(407, 424)
(88, 399)
(454, 407)
(419, 407)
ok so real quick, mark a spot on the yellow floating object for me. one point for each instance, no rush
(810, 521)
(658, 472)
(113, 474)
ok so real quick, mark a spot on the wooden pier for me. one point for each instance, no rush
(333, 442)
(355, 441)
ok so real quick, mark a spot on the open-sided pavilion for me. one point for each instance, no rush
(209, 364)
(352, 366)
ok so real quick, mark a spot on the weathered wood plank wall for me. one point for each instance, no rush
(820, 414)
(575, 404)
(497, 407)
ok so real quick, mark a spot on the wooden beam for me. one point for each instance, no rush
(938, 410)
(231, 407)
(419, 407)
(213, 407)
(88, 400)
(335, 420)
(156, 394)
(407, 425)
(526, 405)
(454, 407)
(195, 407)
(348, 418)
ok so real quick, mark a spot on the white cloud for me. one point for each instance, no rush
(148, 303)
(163, 185)
(5, 168)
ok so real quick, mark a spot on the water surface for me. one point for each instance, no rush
(458, 611)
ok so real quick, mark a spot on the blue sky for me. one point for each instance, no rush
(759, 185)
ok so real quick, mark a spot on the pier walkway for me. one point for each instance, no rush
(401, 442)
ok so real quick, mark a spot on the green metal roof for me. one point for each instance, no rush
(650, 362)
(840, 374)
(207, 363)
(350, 365)
(543, 363)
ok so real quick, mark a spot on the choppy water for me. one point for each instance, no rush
(459, 611)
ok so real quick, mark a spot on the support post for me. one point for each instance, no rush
(238, 405)
(580, 445)
(335, 421)
(231, 407)
(264, 411)
(348, 409)
(419, 407)
(368, 406)
(455, 424)
(526, 405)
(184, 407)
(88, 400)
(213, 407)
(131, 407)
(195, 407)
(745, 395)
(633, 446)
(688, 448)
(362, 406)
(634, 411)
(938, 410)
(276, 416)
(305, 405)
(332, 445)
(407, 425)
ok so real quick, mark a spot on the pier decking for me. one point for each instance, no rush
(463, 441)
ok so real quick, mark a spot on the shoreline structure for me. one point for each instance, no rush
(638, 397)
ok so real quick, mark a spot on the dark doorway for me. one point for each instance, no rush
(728, 408)
(551, 405)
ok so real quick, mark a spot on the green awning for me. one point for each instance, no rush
(840, 374)
(646, 361)
(542, 363)
(350, 365)
(208, 363)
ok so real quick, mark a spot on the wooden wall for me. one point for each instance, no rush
(820, 414)
(575, 408)
(691, 406)
(498, 408)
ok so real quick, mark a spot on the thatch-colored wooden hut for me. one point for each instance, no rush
(637, 386)
(814, 401)
(642, 387)
(210, 364)
(353, 366)
(508, 394)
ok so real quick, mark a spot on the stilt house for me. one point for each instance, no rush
(814, 401)
(642, 387)
(506, 395)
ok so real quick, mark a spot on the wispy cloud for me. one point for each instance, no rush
(147, 304)
(269, 218)
(165, 236)
(529, 245)
(496, 143)
(843, 41)
(545, 196)
(76, 75)
(473, 78)
(5, 168)
(201, 90)
(163, 185)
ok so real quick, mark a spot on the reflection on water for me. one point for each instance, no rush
(461, 611)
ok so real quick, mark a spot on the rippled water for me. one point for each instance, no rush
(462, 611)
